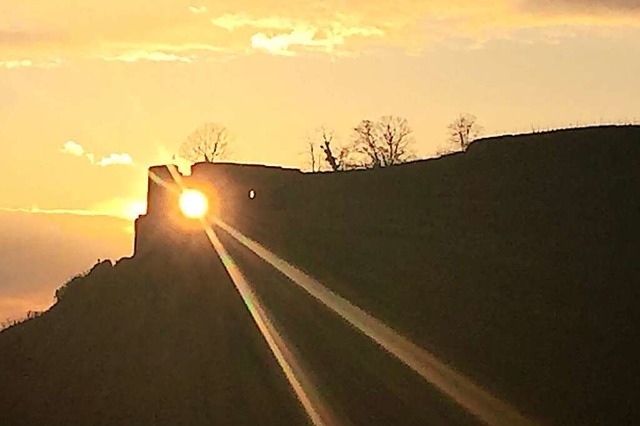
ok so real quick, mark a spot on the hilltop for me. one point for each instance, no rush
(516, 261)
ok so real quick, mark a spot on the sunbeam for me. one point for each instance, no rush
(467, 394)
(306, 393)
(318, 412)
(470, 396)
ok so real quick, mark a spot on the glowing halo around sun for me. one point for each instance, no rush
(193, 204)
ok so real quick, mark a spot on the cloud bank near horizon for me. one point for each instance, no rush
(44, 34)
(592, 6)
(77, 150)
(59, 247)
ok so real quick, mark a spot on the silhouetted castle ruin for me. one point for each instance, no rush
(508, 185)
(227, 188)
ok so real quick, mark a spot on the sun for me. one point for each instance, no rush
(193, 204)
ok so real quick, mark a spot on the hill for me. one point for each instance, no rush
(516, 262)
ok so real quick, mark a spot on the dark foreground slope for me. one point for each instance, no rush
(147, 342)
(515, 262)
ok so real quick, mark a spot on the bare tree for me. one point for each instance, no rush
(376, 144)
(464, 130)
(396, 140)
(207, 143)
(325, 153)
(334, 162)
(384, 143)
(314, 159)
(366, 144)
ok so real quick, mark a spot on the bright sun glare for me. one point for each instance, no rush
(193, 204)
(134, 209)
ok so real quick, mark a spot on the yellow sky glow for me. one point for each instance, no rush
(46, 33)
(119, 84)
(94, 92)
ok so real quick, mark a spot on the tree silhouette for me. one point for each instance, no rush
(376, 144)
(366, 143)
(464, 130)
(321, 149)
(384, 143)
(327, 137)
(314, 156)
(207, 143)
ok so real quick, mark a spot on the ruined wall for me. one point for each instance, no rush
(521, 249)
(503, 198)
(235, 193)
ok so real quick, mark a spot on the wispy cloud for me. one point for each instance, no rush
(152, 56)
(281, 35)
(119, 208)
(115, 158)
(28, 63)
(77, 150)
(18, 63)
(590, 6)
(197, 9)
(169, 31)
(73, 148)
(124, 208)
(233, 21)
(281, 44)
(37, 210)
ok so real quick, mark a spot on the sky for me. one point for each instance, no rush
(93, 93)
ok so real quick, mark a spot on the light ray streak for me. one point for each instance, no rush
(317, 411)
(175, 174)
(467, 394)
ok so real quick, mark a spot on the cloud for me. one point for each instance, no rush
(22, 63)
(39, 33)
(120, 208)
(75, 149)
(131, 57)
(112, 159)
(592, 6)
(283, 36)
(39, 252)
(197, 9)
(124, 208)
(233, 21)
(280, 44)
(37, 210)
(27, 63)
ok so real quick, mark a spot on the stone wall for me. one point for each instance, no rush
(233, 191)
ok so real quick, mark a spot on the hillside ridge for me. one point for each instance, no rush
(515, 261)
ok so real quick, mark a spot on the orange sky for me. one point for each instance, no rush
(126, 81)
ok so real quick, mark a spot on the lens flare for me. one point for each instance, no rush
(470, 396)
(318, 411)
(193, 204)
